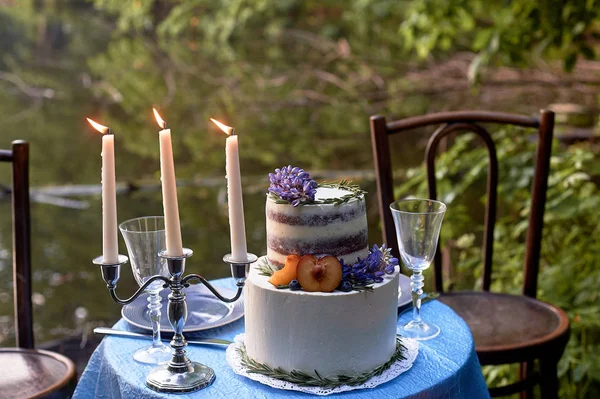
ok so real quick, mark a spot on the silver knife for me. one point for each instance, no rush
(129, 334)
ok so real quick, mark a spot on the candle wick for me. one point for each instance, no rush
(109, 131)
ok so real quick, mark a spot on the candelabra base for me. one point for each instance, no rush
(164, 379)
(179, 375)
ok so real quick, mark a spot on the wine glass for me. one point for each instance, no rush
(418, 223)
(145, 238)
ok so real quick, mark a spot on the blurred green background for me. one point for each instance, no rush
(298, 80)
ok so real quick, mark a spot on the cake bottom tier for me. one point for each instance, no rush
(333, 333)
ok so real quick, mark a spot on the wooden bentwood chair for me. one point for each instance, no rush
(27, 372)
(506, 328)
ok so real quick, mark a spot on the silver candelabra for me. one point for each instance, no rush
(180, 374)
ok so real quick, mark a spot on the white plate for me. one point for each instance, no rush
(205, 311)
(404, 290)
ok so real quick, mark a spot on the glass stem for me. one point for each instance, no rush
(416, 282)
(154, 313)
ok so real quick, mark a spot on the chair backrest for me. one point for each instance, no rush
(21, 242)
(469, 121)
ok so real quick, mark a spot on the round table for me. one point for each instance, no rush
(446, 367)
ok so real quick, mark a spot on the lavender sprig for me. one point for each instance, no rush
(293, 185)
(370, 270)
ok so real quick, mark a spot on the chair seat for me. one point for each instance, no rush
(30, 373)
(510, 328)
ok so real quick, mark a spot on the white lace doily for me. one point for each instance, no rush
(397, 368)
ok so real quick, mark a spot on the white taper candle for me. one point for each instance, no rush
(169, 193)
(110, 243)
(235, 201)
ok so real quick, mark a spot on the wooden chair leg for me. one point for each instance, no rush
(549, 378)
(525, 372)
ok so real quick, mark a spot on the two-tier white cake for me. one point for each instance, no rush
(330, 333)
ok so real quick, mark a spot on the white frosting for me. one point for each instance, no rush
(332, 333)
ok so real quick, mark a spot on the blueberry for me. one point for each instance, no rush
(294, 285)
(346, 286)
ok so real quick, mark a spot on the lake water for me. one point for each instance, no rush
(298, 99)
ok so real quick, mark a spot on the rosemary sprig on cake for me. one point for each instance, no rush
(316, 380)
(354, 192)
(265, 269)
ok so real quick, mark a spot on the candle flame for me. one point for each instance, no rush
(161, 122)
(227, 129)
(101, 128)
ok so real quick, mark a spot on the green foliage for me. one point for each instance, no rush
(217, 21)
(271, 69)
(570, 260)
(500, 32)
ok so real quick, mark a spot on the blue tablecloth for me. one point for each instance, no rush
(447, 367)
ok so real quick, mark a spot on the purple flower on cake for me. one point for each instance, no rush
(371, 269)
(292, 184)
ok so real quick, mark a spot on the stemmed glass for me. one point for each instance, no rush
(145, 238)
(418, 223)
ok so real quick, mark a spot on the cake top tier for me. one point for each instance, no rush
(293, 185)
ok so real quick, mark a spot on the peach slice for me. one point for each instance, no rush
(288, 273)
(322, 274)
